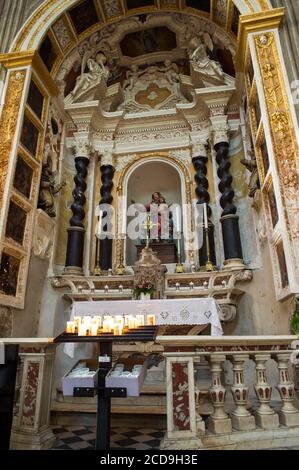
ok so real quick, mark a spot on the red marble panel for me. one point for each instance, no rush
(31, 387)
(180, 396)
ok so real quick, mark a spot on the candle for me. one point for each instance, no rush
(118, 330)
(205, 213)
(99, 224)
(83, 330)
(77, 321)
(132, 323)
(70, 327)
(140, 320)
(94, 327)
(107, 327)
(151, 320)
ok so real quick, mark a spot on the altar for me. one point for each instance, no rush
(166, 311)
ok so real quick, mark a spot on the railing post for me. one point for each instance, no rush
(181, 417)
(219, 422)
(242, 419)
(289, 414)
(266, 417)
(31, 430)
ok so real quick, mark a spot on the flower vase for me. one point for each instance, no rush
(144, 296)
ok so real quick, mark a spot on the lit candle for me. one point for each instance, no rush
(107, 325)
(126, 320)
(70, 327)
(205, 213)
(118, 330)
(132, 323)
(77, 321)
(94, 326)
(82, 330)
(151, 320)
(140, 320)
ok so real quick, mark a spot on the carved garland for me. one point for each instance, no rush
(282, 126)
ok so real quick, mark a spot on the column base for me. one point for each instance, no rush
(267, 421)
(24, 440)
(220, 426)
(73, 271)
(234, 263)
(243, 423)
(289, 419)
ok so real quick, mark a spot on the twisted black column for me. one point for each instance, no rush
(229, 219)
(106, 244)
(203, 196)
(76, 232)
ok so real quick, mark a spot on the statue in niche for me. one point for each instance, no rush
(96, 70)
(162, 217)
(251, 165)
(201, 61)
(48, 189)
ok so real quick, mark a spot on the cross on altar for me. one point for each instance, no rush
(148, 226)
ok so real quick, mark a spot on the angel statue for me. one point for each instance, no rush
(251, 165)
(48, 189)
(200, 59)
(96, 70)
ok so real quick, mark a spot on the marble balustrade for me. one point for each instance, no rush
(236, 420)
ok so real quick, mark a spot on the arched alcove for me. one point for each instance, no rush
(145, 179)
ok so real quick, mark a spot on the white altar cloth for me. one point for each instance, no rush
(2, 353)
(166, 311)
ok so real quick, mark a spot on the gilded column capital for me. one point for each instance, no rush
(106, 157)
(220, 129)
(81, 146)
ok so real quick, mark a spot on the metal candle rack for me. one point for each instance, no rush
(105, 340)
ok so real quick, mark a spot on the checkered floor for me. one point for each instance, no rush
(83, 438)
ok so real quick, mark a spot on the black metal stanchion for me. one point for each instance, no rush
(105, 340)
(104, 401)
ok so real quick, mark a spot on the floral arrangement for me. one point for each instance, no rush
(145, 288)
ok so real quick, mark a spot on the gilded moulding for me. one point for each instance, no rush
(282, 126)
(9, 121)
(253, 23)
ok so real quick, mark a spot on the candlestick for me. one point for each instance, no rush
(179, 267)
(205, 212)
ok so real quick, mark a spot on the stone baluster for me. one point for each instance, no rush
(266, 417)
(76, 231)
(200, 161)
(229, 220)
(106, 243)
(289, 414)
(219, 422)
(242, 419)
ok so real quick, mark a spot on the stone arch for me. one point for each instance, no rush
(36, 27)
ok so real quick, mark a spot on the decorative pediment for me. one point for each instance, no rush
(155, 87)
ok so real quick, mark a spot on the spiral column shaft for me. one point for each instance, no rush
(203, 196)
(76, 231)
(229, 219)
(106, 243)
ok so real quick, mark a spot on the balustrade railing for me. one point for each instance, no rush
(246, 415)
